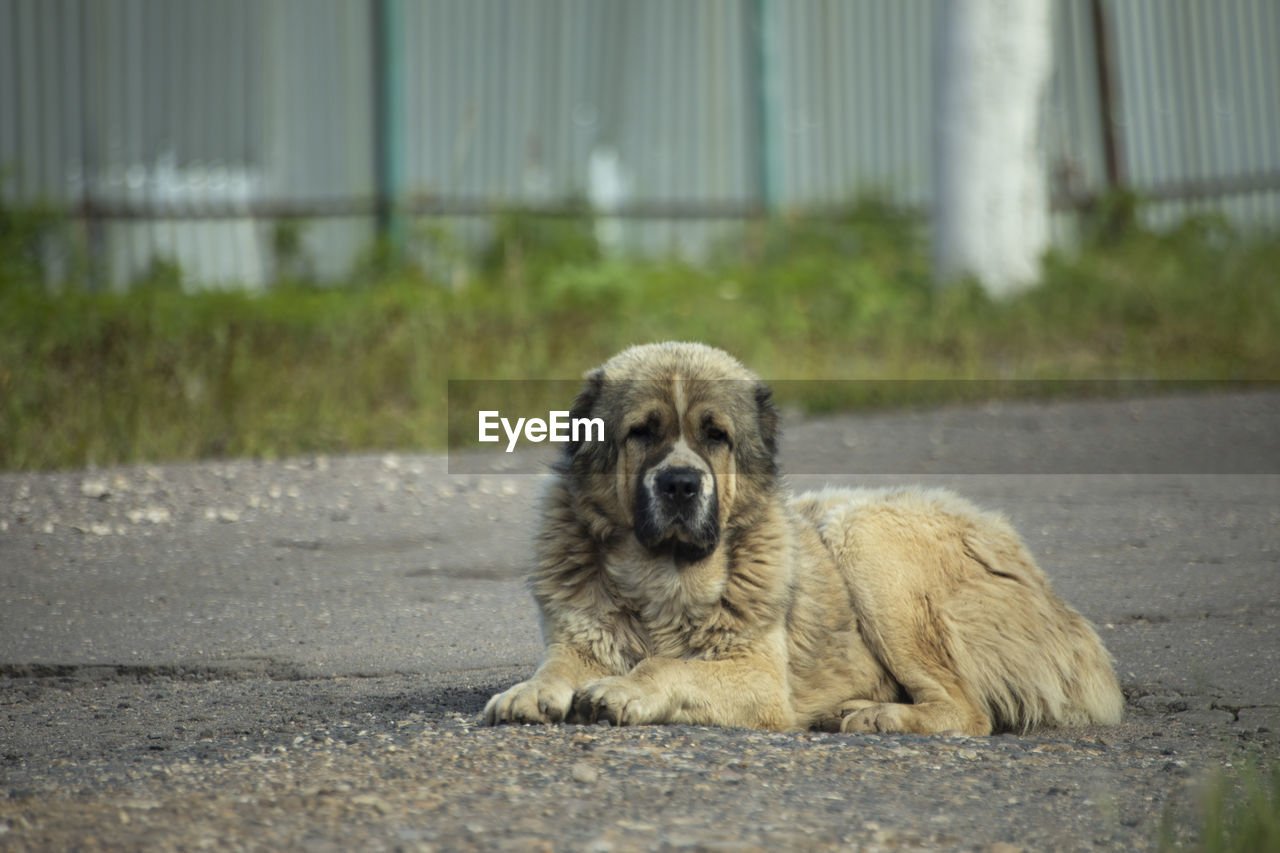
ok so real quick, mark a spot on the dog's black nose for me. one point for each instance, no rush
(679, 485)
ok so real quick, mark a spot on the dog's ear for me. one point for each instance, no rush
(583, 405)
(768, 417)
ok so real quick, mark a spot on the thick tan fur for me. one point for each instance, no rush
(856, 610)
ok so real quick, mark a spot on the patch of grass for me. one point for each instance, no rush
(165, 374)
(1237, 813)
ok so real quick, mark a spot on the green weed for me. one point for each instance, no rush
(1237, 813)
(165, 372)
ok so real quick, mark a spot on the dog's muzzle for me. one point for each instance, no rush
(677, 506)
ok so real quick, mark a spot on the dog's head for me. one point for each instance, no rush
(690, 437)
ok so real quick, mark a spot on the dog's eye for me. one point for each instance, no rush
(715, 435)
(642, 431)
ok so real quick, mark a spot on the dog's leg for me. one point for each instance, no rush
(914, 648)
(547, 697)
(917, 653)
(936, 710)
(898, 561)
(909, 640)
(746, 691)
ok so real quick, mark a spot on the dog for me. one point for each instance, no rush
(678, 582)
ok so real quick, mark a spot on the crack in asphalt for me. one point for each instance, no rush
(271, 670)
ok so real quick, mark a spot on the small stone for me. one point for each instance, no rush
(96, 488)
(584, 774)
(151, 515)
(373, 801)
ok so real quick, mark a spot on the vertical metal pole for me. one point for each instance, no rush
(96, 270)
(1113, 163)
(762, 36)
(389, 124)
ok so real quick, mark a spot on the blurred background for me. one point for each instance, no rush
(280, 226)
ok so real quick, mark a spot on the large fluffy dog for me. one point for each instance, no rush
(678, 583)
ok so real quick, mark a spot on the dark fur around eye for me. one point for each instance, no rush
(714, 435)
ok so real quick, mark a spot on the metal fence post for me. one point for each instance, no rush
(389, 120)
(1112, 155)
(762, 47)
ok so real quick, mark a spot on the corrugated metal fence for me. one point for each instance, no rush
(189, 130)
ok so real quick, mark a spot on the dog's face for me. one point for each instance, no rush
(690, 437)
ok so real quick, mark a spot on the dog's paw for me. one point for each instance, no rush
(533, 701)
(860, 715)
(926, 719)
(850, 706)
(619, 699)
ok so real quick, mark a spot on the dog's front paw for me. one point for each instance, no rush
(859, 715)
(537, 700)
(619, 699)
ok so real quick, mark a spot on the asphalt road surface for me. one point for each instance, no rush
(293, 655)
